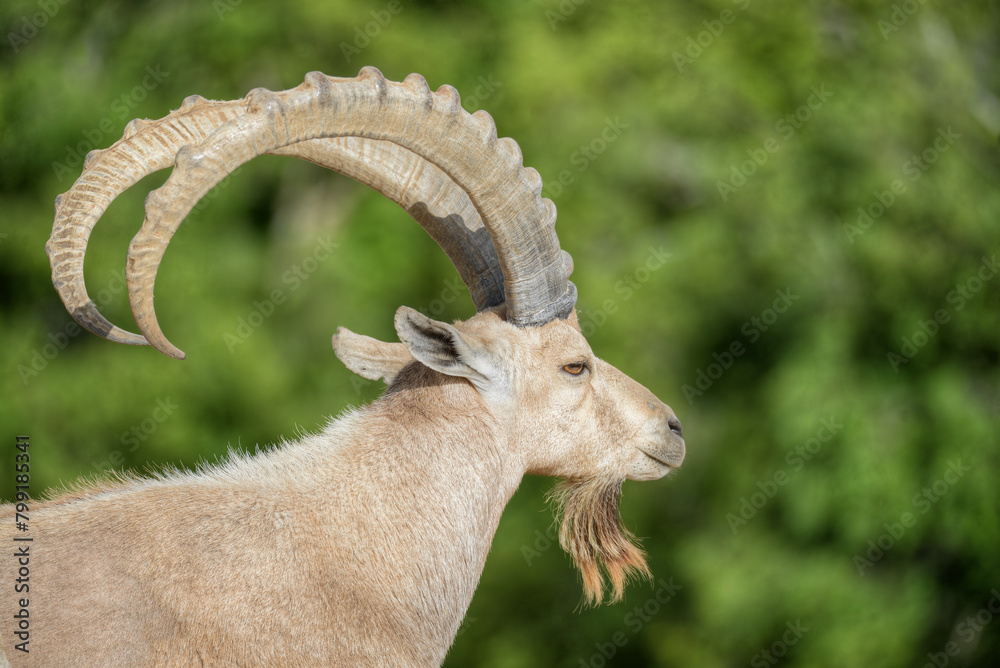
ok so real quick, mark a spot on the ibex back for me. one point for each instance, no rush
(361, 545)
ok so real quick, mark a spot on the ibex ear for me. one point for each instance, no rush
(443, 348)
(368, 357)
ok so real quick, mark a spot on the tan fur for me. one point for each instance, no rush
(368, 357)
(361, 545)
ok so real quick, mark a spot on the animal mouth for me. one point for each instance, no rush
(668, 451)
(670, 460)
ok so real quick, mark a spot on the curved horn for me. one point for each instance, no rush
(148, 146)
(393, 152)
(432, 125)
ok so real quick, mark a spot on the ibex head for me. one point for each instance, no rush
(562, 411)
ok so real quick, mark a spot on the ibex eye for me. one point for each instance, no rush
(575, 369)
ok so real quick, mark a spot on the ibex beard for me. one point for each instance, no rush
(591, 532)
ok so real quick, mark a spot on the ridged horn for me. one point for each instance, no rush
(385, 134)
(148, 146)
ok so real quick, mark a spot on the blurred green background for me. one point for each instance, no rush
(823, 177)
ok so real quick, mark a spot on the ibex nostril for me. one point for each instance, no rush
(675, 426)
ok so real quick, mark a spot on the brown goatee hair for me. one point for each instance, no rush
(594, 537)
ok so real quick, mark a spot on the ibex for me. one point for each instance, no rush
(361, 545)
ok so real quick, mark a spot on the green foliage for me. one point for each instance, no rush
(759, 144)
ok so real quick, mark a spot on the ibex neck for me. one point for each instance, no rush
(419, 481)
